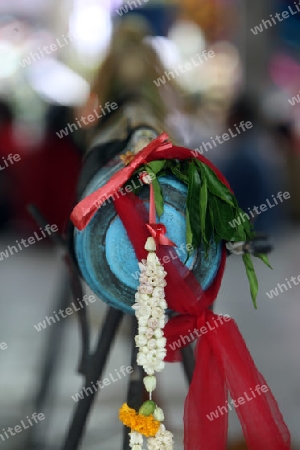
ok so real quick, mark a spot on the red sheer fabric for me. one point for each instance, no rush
(223, 362)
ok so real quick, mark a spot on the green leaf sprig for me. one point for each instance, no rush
(212, 211)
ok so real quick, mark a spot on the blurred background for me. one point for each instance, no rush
(59, 60)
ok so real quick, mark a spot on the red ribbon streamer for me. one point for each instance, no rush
(223, 362)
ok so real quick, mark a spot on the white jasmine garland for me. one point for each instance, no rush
(149, 306)
(149, 309)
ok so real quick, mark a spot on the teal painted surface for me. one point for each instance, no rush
(105, 255)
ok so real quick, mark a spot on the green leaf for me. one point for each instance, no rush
(209, 226)
(159, 200)
(247, 225)
(157, 166)
(193, 204)
(223, 214)
(264, 259)
(251, 277)
(203, 209)
(215, 186)
(217, 238)
(189, 233)
(242, 229)
(240, 234)
(158, 197)
(177, 171)
(134, 185)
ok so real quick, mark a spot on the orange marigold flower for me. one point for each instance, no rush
(127, 157)
(147, 426)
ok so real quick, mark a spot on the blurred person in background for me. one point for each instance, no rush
(126, 77)
(248, 165)
(47, 176)
(44, 175)
(288, 142)
(8, 145)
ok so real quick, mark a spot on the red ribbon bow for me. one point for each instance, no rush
(223, 362)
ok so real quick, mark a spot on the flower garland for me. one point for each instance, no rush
(149, 306)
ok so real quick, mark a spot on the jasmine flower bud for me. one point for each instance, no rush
(150, 383)
(150, 245)
(159, 414)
